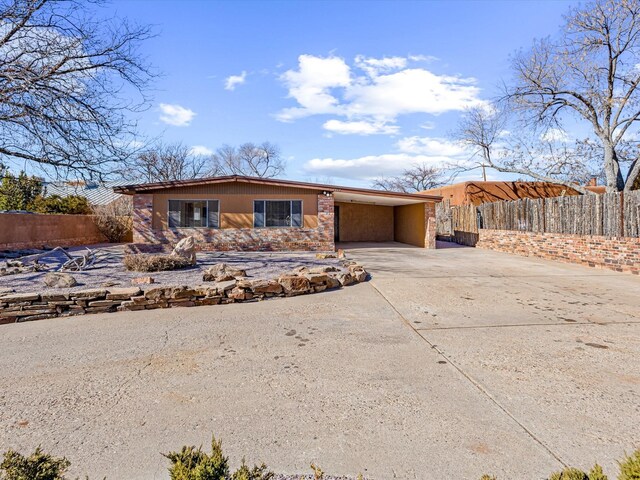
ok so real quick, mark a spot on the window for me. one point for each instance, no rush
(193, 213)
(277, 213)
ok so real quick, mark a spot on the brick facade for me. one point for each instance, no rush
(617, 253)
(318, 239)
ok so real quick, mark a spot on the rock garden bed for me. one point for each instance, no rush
(216, 279)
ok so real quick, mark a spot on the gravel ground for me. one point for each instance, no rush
(110, 268)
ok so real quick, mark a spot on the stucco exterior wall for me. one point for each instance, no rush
(20, 231)
(409, 224)
(361, 222)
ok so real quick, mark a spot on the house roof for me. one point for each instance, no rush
(95, 193)
(345, 192)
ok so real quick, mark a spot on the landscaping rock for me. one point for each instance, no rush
(221, 272)
(325, 269)
(59, 280)
(123, 293)
(294, 285)
(19, 297)
(265, 286)
(317, 278)
(109, 284)
(54, 297)
(332, 282)
(239, 294)
(142, 280)
(222, 287)
(186, 248)
(154, 293)
(325, 255)
(89, 294)
(345, 279)
(360, 275)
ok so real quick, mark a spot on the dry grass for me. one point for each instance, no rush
(142, 262)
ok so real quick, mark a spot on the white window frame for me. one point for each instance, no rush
(193, 200)
(278, 200)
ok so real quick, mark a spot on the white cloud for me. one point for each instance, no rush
(200, 150)
(388, 88)
(176, 115)
(311, 86)
(438, 152)
(361, 127)
(233, 81)
(430, 146)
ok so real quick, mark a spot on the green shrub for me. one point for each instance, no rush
(69, 205)
(630, 467)
(143, 262)
(37, 466)
(255, 473)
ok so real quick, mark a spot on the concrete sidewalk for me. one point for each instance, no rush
(447, 364)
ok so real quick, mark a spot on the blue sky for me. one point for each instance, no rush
(348, 90)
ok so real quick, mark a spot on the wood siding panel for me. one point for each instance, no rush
(410, 224)
(365, 223)
(236, 202)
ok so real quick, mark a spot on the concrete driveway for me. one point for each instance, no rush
(447, 364)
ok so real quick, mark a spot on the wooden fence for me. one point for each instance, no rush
(609, 215)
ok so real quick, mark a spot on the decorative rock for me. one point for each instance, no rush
(182, 292)
(294, 285)
(325, 255)
(123, 293)
(104, 303)
(59, 280)
(222, 272)
(142, 280)
(345, 279)
(186, 248)
(332, 282)
(341, 253)
(239, 294)
(222, 287)
(325, 269)
(360, 275)
(89, 294)
(54, 297)
(155, 293)
(19, 297)
(109, 284)
(317, 278)
(265, 286)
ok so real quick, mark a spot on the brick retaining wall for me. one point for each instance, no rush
(621, 254)
(21, 231)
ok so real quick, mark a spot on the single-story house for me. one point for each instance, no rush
(477, 193)
(249, 213)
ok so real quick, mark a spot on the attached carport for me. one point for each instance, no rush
(374, 216)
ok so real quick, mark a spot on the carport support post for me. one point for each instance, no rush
(430, 225)
(325, 220)
(142, 219)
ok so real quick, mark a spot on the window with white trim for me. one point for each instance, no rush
(277, 213)
(194, 213)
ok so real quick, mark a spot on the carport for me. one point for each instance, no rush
(376, 216)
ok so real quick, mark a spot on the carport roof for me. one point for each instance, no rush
(341, 194)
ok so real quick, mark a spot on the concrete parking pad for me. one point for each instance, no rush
(400, 377)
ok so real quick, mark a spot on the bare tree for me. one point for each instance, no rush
(249, 159)
(167, 162)
(479, 129)
(546, 155)
(67, 83)
(590, 72)
(415, 179)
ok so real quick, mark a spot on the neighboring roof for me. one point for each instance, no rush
(95, 193)
(150, 187)
(477, 193)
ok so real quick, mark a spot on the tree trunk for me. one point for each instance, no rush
(615, 182)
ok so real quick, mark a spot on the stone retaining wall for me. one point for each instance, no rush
(621, 254)
(23, 307)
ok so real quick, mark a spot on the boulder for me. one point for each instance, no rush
(221, 272)
(345, 279)
(59, 280)
(294, 285)
(332, 282)
(142, 281)
(360, 274)
(186, 248)
(325, 255)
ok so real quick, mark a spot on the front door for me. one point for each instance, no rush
(336, 223)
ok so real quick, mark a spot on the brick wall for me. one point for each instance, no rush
(22, 231)
(618, 253)
(236, 239)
